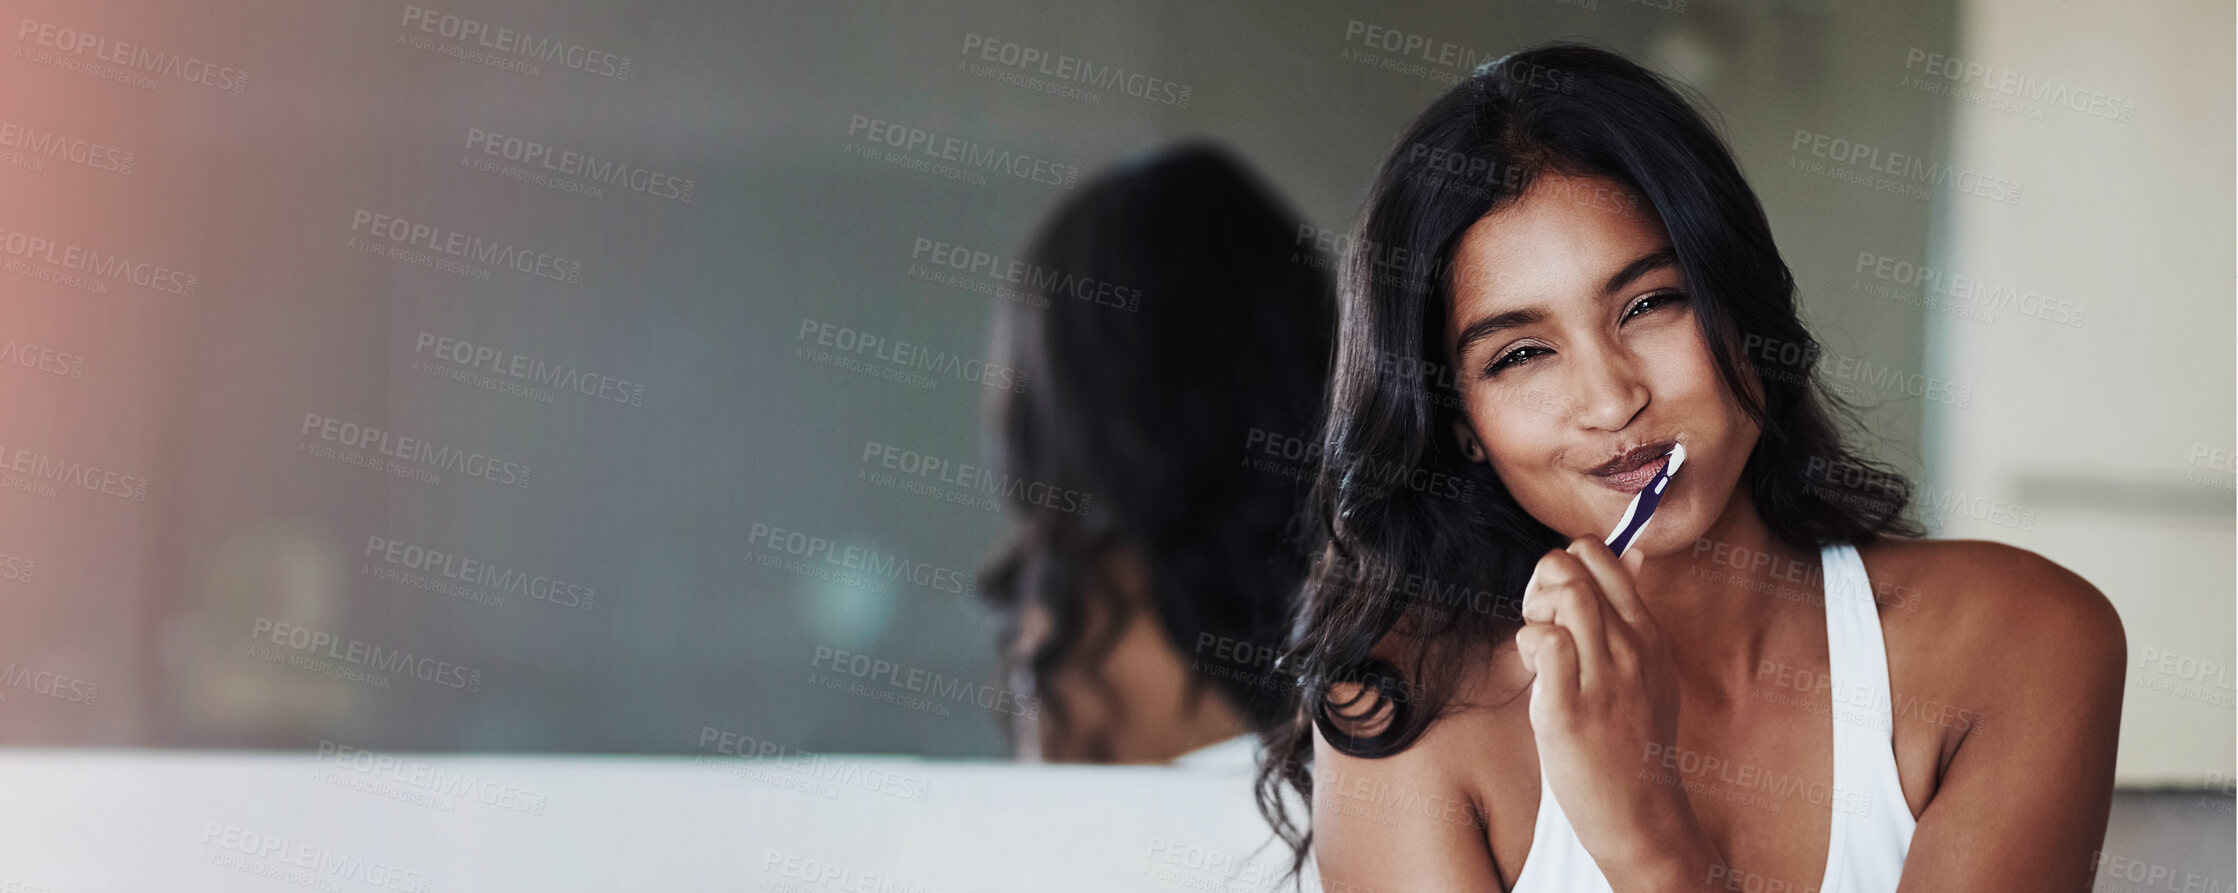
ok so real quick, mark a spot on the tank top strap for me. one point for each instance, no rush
(1856, 653)
(1867, 802)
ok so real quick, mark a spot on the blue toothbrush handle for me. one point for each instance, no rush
(1642, 508)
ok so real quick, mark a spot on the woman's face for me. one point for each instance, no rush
(1573, 339)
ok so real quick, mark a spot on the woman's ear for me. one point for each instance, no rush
(1470, 446)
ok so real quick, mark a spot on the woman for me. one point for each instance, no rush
(1779, 686)
(1177, 329)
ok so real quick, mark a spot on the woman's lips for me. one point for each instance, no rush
(1632, 481)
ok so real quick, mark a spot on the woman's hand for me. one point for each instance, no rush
(1604, 707)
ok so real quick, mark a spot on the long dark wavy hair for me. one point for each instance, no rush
(1181, 319)
(1388, 558)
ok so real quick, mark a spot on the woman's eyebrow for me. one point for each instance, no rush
(1650, 262)
(1490, 325)
(1645, 264)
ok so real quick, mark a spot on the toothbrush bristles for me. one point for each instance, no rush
(1678, 458)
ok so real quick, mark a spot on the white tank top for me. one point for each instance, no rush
(1872, 827)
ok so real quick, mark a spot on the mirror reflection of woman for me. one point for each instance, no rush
(1779, 683)
(1193, 326)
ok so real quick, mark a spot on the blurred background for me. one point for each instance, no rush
(698, 300)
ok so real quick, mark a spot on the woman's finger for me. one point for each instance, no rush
(1553, 657)
(1562, 592)
(1615, 581)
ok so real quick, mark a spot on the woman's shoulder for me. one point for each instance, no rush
(1977, 581)
(1990, 613)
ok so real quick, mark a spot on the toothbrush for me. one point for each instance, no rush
(1643, 504)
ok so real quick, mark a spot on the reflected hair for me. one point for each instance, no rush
(1586, 112)
(1193, 320)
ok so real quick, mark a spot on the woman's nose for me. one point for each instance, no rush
(1609, 389)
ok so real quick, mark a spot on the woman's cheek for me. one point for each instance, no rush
(1534, 480)
(1516, 401)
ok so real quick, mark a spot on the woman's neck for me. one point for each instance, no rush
(1730, 597)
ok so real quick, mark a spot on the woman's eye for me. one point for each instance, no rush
(1653, 301)
(1524, 353)
(1513, 357)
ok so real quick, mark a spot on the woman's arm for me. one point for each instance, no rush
(1401, 823)
(1603, 696)
(2024, 802)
